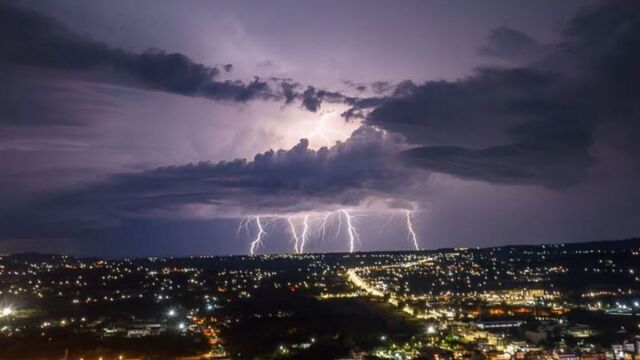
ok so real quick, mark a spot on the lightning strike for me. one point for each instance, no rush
(412, 233)
(308, 227)
(322, 131)
(351, 231)
(305, 231)
(258, 240)
(323, 227)
(296, 239)
(244, 224)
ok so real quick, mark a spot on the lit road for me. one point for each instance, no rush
(356, 280)
(361, 284)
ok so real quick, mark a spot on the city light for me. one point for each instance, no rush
(7, 311)
(454, 294)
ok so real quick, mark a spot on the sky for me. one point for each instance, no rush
(175, 128)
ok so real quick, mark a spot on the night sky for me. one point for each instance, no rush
(138, 128)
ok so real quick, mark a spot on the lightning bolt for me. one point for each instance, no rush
(305, 231)
(412, 233)
(300, 240)
(323, 227)
(241, 226)
(322, 131)
(351, 231)
(294, 235)
(258, 240)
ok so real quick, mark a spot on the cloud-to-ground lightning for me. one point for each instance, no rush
(258, 240)
(323, 227)
(244, 224)
(412, 233)
(351, 231)
(305, 232)
(326, 220)
(296, 239)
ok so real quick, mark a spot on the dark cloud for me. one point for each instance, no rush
(533, 124)
(471, 111)
(358, 107)
(358, 86)
(298, 179)
(509, 44)
(31, 39)
(604, 44)
(288, 90)
(554, 155)
(381, 87)
(312, 98)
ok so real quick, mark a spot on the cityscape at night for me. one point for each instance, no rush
(562, 301)
(320, 179)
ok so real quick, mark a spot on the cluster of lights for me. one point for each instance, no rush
(6, 311)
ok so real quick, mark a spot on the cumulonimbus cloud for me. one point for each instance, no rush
(274, 182)
(531, 124)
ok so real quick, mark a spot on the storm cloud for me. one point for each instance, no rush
(31, 39)
(534, 124)
(509, 44)
(517, 124)
(300, 179)
(549, 154)
(312, 99)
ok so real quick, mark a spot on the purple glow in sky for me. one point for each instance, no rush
(124, 126)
